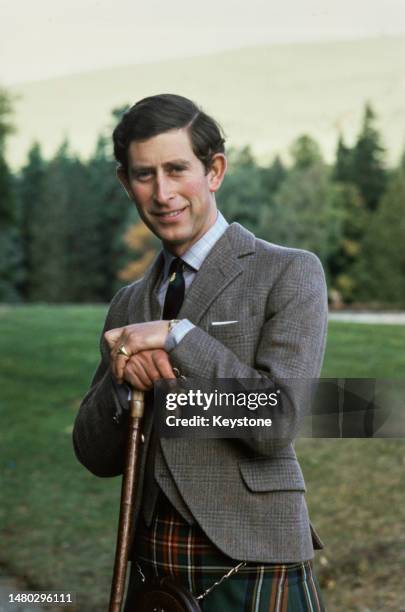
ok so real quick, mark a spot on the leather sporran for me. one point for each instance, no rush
(164, 595)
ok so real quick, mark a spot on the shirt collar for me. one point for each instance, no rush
(196, 254)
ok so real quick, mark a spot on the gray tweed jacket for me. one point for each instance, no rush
(247, 495)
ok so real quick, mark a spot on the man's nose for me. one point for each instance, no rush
(163, 191)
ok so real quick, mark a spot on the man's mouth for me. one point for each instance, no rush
(172, 214)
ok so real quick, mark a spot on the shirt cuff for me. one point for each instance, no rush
(177, 333)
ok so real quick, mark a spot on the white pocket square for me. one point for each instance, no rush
(223, 322)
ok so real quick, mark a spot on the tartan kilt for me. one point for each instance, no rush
(172, 547)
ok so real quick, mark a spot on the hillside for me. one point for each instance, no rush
(265, 96)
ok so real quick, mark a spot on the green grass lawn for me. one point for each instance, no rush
(58, 522)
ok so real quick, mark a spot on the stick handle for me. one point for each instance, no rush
(128, 490)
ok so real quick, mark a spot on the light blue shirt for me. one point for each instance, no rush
(193, 258)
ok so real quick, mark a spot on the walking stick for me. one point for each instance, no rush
(127, 501)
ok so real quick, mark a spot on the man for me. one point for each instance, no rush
(216, 303)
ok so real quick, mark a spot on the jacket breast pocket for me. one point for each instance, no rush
(265, 474)
(237, 329)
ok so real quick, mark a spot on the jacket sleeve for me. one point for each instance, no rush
(99, 433)
(291, 346)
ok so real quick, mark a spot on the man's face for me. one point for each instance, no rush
(173, 194)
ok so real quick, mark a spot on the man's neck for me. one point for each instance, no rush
(180, 250)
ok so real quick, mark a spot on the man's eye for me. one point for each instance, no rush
(176, 169)
(142, 175)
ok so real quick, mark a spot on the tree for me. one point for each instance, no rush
(305, 213)
(242, 195)
(6, 110)
(273, 176)
(368, 168)
(343, 169)
(381, 269)
(144, 245)
(30, 189)
(361, 179)
(354, 220)
(49, 260)
(11, 267)
(114, 213)
(305, 152)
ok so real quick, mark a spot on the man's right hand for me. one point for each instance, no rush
(143, 368)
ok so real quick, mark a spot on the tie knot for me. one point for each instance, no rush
(176, 266)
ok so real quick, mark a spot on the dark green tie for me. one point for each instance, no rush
(172, 304)
(175, 291)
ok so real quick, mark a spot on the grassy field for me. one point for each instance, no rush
(58, 523)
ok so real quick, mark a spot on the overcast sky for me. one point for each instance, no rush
(45, 38)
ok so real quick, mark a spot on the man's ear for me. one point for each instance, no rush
(123, 179)
(217, 171)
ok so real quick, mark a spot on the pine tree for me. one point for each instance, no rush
(114, 213)
(381, 271)
(50, 270)
(30, 189)
(11, 264)
(305, 152)
(343, 169)
(273, 176)
(305, 212)
(242, 195)
(369, 173)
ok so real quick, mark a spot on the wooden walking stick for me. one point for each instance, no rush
(127, 501)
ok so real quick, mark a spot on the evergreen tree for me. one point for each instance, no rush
(343, 170)
(6, 110)
(30, 189)
(114, 213)
(85, 279)
(380, 272)
(369, 173)
(11, 266)
(273, 176)
(242, 195)
(49, 247)
(305, 152)
(361, 178)
(355, 218)
(305, 213)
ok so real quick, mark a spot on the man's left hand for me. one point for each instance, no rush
(134, 338)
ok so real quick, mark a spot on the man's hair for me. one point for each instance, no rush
(158, 114)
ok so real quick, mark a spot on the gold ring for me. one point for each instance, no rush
(123, 351)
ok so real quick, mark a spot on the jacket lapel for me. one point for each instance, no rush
(143, 305)
(219, 269)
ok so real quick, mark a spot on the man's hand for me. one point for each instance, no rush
(142, 369)
(135, 338)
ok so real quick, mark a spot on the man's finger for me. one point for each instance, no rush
(111, 336)
(145, 360)
(118, 361)
(136, 382)
(162, 364)
(118, 365)
(134, 373)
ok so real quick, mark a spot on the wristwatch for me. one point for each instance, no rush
(172, 323)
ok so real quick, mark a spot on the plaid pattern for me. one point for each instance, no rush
(171, 547)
